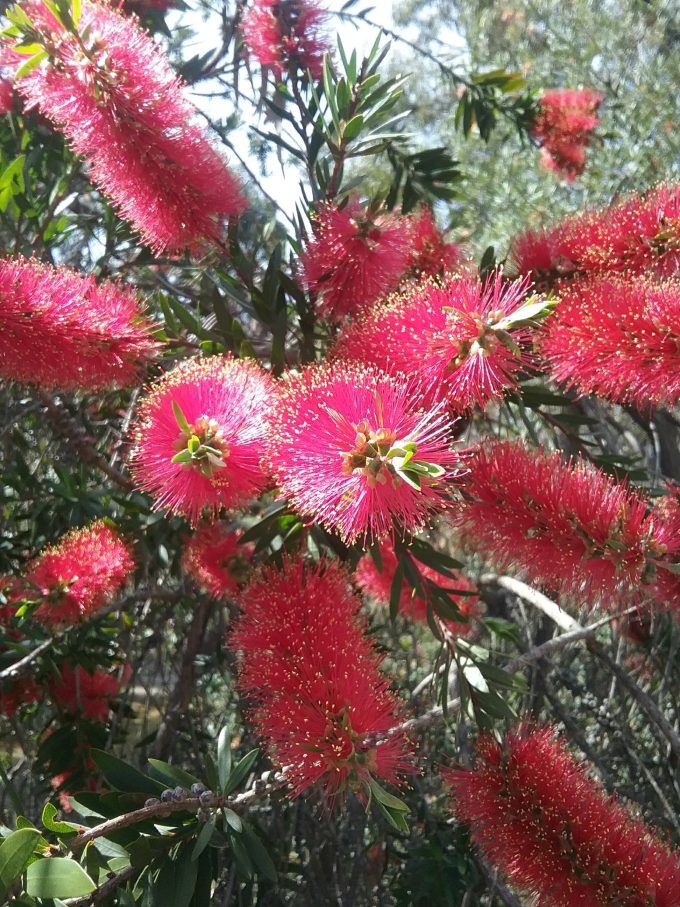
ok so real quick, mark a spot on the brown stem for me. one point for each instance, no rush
(65, 425)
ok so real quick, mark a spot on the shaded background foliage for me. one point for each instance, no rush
(180, 690)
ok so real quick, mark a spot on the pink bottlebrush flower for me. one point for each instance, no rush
(617, 337)
(377, 583)
(81, 693)
(565, 121)
(354, 258)
(8, 67)
(80, 574)
(62, 330)
(15, 694)
(200, 434)
(215, 560)
(353, 451)
(287, 35)
(467, 340)
(538, 817)
(569, 527)
(122, 108)
(639, 234)
(565, 159)
(6, 94)
(320, 701)
(430, 254)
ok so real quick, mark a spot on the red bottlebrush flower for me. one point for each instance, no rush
(200, 435)
(122, 108)
(354, 258)
(287, 35)
(320, 701)
(17, 693)
(61, 330)
(618, 338)
(639, 234)
(76, 778)
(466, 340)
(568, 526)
(565, 121)
(353, 451)
(377, 583)
(12, 591)
(215, 560)
(537, 816)
(430, 254)
(81, 693)
(79, 575)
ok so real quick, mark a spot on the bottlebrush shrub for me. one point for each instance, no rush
(638, 234)
(354, 257)
(467, 340)
(215, 560)
(377, 583)
(617, 337)
(61, 330)
(319, 699)
(537, 816)
(569, 526)
(79, 575)
(566, 118)
(199, 436)
(120, 105)
(353, 451)
(287, 35)
(78, 692)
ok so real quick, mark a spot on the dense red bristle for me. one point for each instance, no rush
(79, 575)
(215, 560)
(443, 332)
(639, 234)
(62, 330)
(568, 526)
(320, 701)
(537, 816)
(81, 693)
(123, 110)
(566, 119)
(617, 337)
(287, 35)
(323, 417)
(430, 253)
(221, 398)
(354, 258)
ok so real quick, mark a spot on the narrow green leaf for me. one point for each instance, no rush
(353, 128)
(223, 757)
(240, 771)
(30, 64)
(124, 777)
(233, 820)
(180, 418)
(171, 775)
(204, 837)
